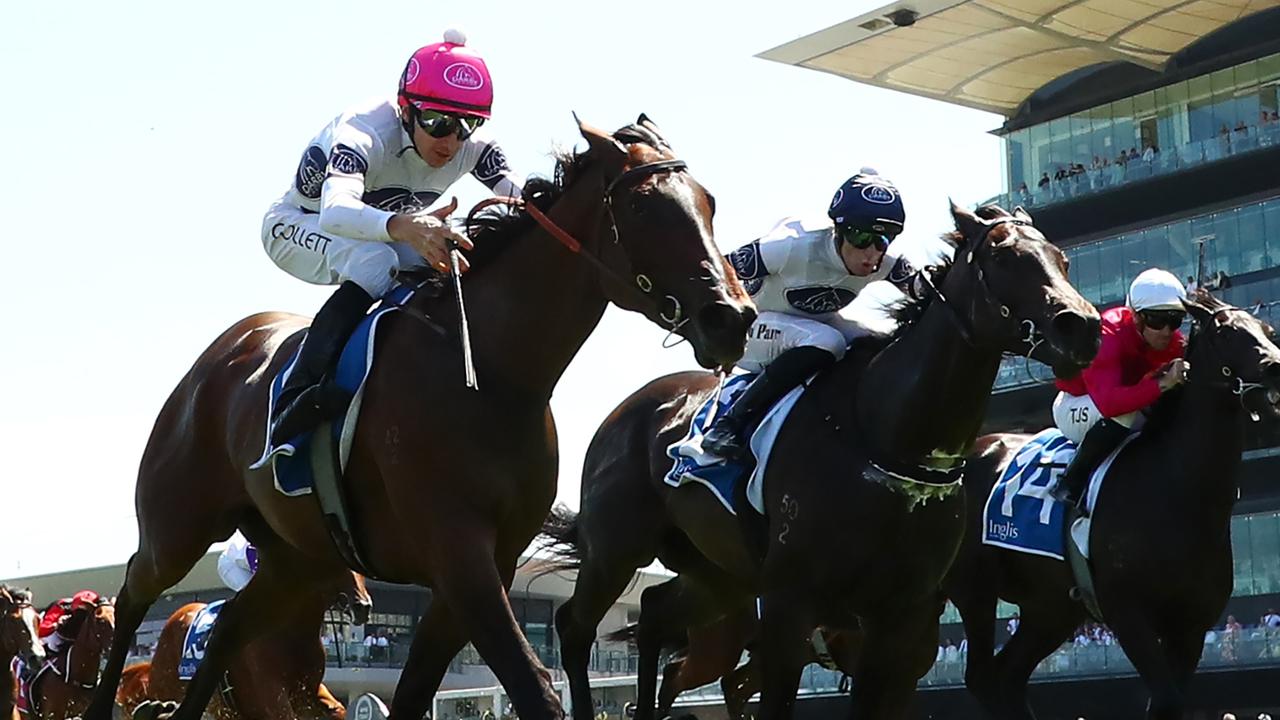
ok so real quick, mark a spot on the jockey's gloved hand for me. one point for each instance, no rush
(430, 237)
(1174, 374)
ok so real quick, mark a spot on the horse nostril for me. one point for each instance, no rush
(1078, 331)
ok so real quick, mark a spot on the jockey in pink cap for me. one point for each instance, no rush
(355, 212)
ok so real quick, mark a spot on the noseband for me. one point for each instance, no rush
(640, 287)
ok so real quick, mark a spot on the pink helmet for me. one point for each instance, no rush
(447, 77)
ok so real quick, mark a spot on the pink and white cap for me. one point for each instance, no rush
(447, 77)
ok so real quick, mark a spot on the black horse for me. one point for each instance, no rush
(1160, 542)
(849, 533)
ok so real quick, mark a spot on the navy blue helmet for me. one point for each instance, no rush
(869, 203)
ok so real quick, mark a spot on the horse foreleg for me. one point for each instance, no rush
(1182, 651)
(783, 650)
(1042, 629)
(898, 649)
(467, 578)
(1141, 643)
(270, 599)
(436, 641)
(146, 577)
(599, 584)
(978, 613)
(738, 686)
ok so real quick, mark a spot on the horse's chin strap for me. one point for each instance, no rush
(1239, 387)
(640, 287)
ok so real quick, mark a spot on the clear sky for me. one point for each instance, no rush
(145, 139)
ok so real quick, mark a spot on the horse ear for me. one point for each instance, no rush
(1199, 314)
(1021, 214)
(603, 145)
(968, 224)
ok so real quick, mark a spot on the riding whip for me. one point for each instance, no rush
(464, 331)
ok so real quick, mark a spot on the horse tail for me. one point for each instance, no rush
(562, 530)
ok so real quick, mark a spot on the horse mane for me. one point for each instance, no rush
(493, 230)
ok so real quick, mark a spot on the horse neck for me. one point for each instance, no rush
(928, 391)
(535, 306)
(1205, 448)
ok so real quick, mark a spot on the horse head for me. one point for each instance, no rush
(1020, 298)
(18, 621)
(97, 625)
(658, 244)
(1235, 350)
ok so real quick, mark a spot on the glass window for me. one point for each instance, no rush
(1111, 282)
(1271, 229)
(1039, 147)
(1200, 110)
(1123, 136)
(1264, 550)
(1182, 254)
(1100, 136)
(1084, 266)
(1251, 240)
(1155, 247)
(1203, 246)
(1222, 84)
(1241, 558)
(1135, 257)
(1269, 68)
(1224, 249)
(1060, 137)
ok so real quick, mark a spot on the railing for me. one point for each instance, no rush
(1164, 162)
(1250, 648)
(355, 654)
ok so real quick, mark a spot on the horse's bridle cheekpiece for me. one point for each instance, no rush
(640, 286)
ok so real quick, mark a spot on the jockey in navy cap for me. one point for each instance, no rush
(800, 275)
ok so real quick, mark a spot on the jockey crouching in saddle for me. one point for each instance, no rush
(53, 623)
(1139, 359)
(354, 214)
(800, 275)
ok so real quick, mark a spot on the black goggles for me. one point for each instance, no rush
(863, 239)
(1161, 319)
(440, 125)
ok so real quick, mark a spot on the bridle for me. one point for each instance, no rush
(1031, 335)
(639, 286)
(1227, 379)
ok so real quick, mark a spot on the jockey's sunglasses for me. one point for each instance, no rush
(863, 239)
(1161, 319)
(440, 125)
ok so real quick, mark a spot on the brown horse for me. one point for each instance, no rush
(275, 677)
(852, 534)
(1160, 537)
(18, 640)
(447, 485)
(65, 689)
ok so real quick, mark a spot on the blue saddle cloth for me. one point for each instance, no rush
(290, 461)
(1020, 514)
(197, 638)
(693, 464)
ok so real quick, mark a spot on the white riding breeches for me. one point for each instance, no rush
(294, 241)
(1075, 414)
(774, 333)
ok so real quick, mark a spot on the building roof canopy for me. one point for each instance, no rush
(995, 54)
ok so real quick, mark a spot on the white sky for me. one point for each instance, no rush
(178, 124)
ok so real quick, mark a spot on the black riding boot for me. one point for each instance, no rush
(307, 399)
(729, 435)
(1098, 443)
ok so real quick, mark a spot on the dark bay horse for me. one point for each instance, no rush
(844, 540)
(447, 484)
(275, 677)
(65, 690)
(18, 639)
(1160, 543)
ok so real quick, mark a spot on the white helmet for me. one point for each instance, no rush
(1156, 289)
